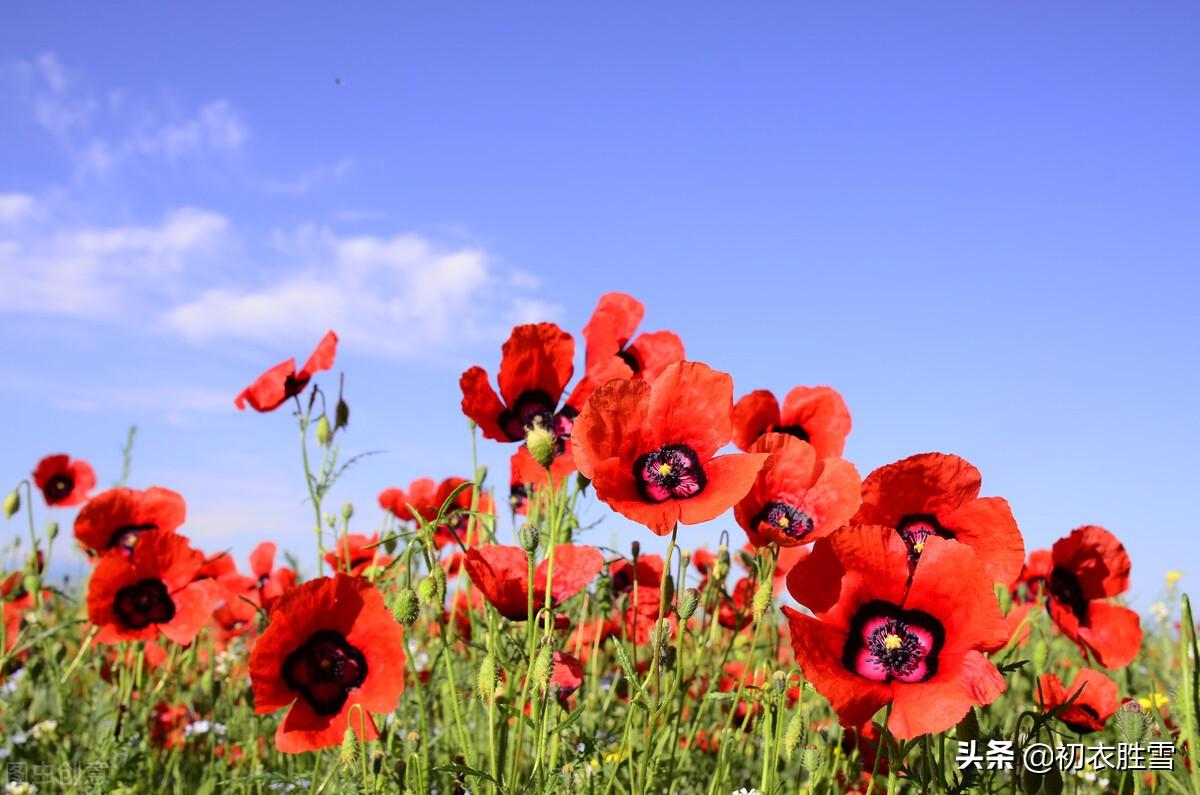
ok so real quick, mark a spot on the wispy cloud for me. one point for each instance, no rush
(15, 207)
(99, 131)
(311, 179)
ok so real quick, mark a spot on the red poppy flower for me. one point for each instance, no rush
(647, 572)
(112, 520)
(421, 496)
(153, 591)
(1093, 706)
(331, 644)
(502, 574)
(168, 724)
(536, 365)
(650, 450)
(814, 414)
(283, 381)
(797, 497)
(565, 677)
(64, 482)
(934, 494)
(272, 582)
(354, 552)
(877, 638)
(1083, 569)
(613, 352)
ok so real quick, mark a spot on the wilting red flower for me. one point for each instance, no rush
(64, 482)
(534, 370)
(153, 591)
(612, 350)
(650, 450)
(502, 574)
(934, 494)
(421, 496)
(354, 552)
(272, 582)
(283, 381)
(1093, 706)
(814, 414)
(876, 638)
(331, 644)
(1084, 568)
(647, 572)
(112, 520)
(797, 497)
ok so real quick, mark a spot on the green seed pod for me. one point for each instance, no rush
(406, 607)
(12, 504)
(529, 538)
(812, 759)
(324, 431)
(689, 603)
(542, 444)
(1132, 724)
(793, 734)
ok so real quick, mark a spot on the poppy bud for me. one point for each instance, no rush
(543, 667)
(486, 679)
(1040, 653)
(31, 583)
(406, 608)
(481, 474)
(349, 745)
(689, 603)
(762, 600)
(635, 549)
(341, 414)
(324, 432)
(1031, 782)
(12, 504)
(529, 538)
(347, 511)
(812, 758)
(968, 727)
(432, 589)
(662, 633)
(52, 531)
(722, 562)
(1052, 782)
(793, 735)
(541, 444)
(779, 681)
(1132, 724)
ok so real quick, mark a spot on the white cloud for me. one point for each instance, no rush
(15, 207)
(397, 295)
(310, 180)
(99, 132)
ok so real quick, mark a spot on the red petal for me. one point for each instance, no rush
(754, 415)
(574, 567)
(269, 390)
(611, 326)
(612, 425)
(481, 403)
(963, 680)
(818, 648)
(1111, 632)
(729, 478)
(538, 356)
(321, 358)
(654, 352)
(929, 483)
(692, 404)
(1097, 559)
(502, 574)
(304, 730)
(950, 584)
(823, 415)
(987, 526)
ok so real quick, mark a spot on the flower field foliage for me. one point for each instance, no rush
(850, 633)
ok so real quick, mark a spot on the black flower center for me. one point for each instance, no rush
(786, 519)
(672, 471)
(125, 536)
(324, 670)
(792, 430)
(144, 603)
(534, 408)
(631, 360)
(1066, 588)
(888, 643)
(916, 529)
(517, 496)
(58, 487)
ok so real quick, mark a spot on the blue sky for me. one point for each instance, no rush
(977, 221)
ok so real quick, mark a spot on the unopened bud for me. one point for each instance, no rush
(779, 681)
(543, 667)
(793, 734)
(529, 538)
(542, 445)
(31, 583)
(689, 603)
(12, 504)
(407, 607)
(722, 562)
(349, 745)
(812, 759)
(635, 549)
(432, 589)
(486, 679)
(347, 511)
(52, 531)
(341, 414)
(427, 591)
(662, 633)
(762, 600)
(324, 432)
(1040, 653)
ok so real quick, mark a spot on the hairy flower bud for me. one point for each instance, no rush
(52, 531)
(324, 431)
(762, 600)
(12, 504)
(543, 667)
(348, 752)
(793, 735)
(722, 562)
(406, 607)
(689, 603)
(347, 511)
(485, 682)
(529, 538)
(541, 444)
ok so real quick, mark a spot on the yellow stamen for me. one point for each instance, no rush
(784, 522)
(919, 547)
(664, 469)
(892, 642)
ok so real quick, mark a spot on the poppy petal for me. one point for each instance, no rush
(987, 526)
(754, 415)
(818, 647)
(729, 478)
(537, 356)
(691, 404)
(481, 403)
